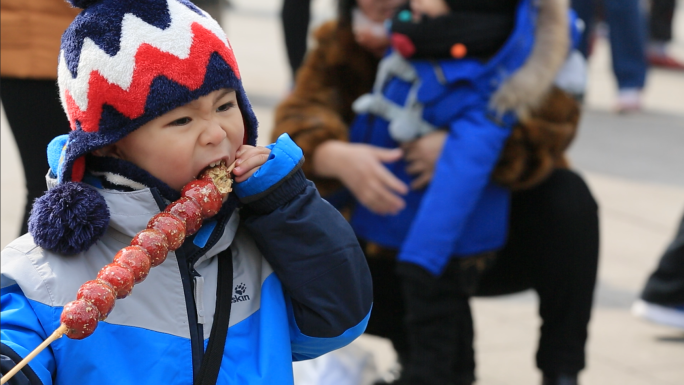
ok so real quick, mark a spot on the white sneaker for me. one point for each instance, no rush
(628, 100)
(664, 315)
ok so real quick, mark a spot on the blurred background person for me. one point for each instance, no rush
(660, 28)
(662, 300)
(295, 16)
(627, 34)
(30, 33)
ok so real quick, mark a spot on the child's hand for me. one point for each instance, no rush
(248, 160)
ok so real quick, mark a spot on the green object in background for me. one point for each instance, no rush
(405, 15)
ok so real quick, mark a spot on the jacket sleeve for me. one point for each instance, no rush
(315, 254)
(21, 333)
(461, 175)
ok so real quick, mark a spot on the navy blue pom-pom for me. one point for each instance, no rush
(83, 4)
(69, 218)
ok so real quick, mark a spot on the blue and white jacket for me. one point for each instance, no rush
(462, 212)
(301, 288)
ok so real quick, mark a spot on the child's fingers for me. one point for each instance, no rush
(241, 150)
(250, 160)
(245, 152)
(246, 175)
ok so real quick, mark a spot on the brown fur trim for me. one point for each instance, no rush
(526, 88)
(537, 144)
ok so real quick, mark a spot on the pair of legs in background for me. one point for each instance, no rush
(552, 248)
(660, 35)
(662, 300)
(627, 35)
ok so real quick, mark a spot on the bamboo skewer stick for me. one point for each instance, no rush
(55, 335)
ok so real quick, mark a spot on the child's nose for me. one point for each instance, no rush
(213, 133)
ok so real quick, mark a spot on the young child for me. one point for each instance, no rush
(466, 59)
(154, 96)
(478, 71)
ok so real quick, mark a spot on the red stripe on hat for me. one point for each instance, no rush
(150, 62)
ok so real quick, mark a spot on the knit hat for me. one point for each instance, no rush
(122, 64)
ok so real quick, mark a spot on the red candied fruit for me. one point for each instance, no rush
(100, 294)
(120, 278)
(80, 318)
(172, 226)
(205, 193)
(187, 209)
(155, 243)
(135, 259)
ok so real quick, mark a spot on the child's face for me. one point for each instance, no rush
(178, 145)
(430, 8)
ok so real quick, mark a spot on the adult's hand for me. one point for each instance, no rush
(360, 168)
(421, 156)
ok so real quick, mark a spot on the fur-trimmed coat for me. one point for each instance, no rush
(338, 71)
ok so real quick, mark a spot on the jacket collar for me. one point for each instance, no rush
(130, 211)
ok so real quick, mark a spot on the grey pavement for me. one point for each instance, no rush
(634, 165)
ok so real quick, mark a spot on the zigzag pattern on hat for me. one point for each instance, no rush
(107, 71)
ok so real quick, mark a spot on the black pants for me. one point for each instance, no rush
(660, 20)
(36, 116)
(552, 248)
(295, 15)
(666, 285)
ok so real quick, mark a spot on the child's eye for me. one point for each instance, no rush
(180, 122)
(225, 107)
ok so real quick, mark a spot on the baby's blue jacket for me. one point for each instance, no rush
(462, 212)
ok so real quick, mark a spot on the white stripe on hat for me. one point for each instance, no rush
(118, 69)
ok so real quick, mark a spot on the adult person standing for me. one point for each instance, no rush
(627, 34)
(553, 228)
(30, 33)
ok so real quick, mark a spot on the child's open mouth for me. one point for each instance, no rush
(219, 173)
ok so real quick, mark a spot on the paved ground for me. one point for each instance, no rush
(634, 165)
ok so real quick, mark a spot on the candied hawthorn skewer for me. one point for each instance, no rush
(200, 199)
